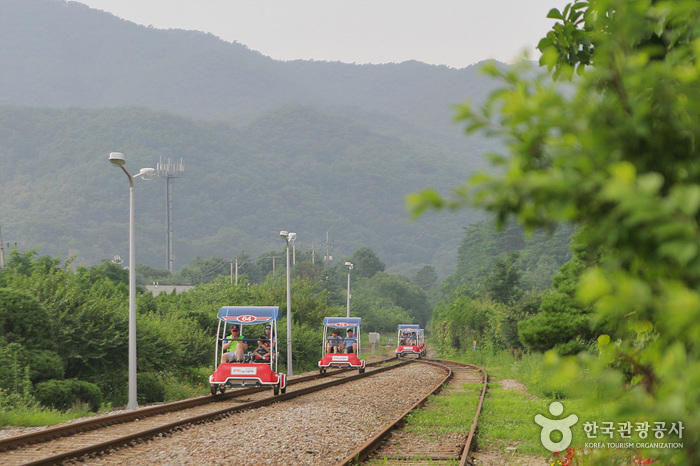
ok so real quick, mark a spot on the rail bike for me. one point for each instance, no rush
(411, 340)
(245, 367)
(341, 351)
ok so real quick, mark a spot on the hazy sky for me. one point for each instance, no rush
(456, 33)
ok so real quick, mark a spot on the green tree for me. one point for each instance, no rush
(564, 323)
(426, 277)
(366, 263)
(461, 319)
(248, 267)
(203, 270)
(615, 151)
(541, 253)
(145, 274)
(401, 292)
(378, 314)
(270, 262)
(73, 324)
(14, 377)
(502, 282)
(22, 318)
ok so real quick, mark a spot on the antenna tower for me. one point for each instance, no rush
(169, 170)
(328, 258)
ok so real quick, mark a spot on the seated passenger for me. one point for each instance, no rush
(271, 338)
(263, 349)
(334, 342)
(350, 342)
(241, 345)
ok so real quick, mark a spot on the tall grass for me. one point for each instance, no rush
(507, 419)
(39, 416)
(22, 410)
(448, 412)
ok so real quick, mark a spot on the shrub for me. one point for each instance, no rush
(151, 388)
(64, 394)
(46, 365)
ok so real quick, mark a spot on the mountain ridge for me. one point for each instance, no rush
(312, 147)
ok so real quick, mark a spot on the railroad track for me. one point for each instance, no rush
(393, 445)
(312, 440)
(94, 436)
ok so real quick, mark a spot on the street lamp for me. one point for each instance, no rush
(289, 238)
(349, 266)
(118, 160)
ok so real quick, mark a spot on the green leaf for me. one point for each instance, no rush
(650, 183)
(686, 199)
(555, 14)
(681, 251)
(419, 203)
(593, 285)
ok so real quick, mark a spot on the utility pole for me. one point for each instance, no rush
(169, 170)
(237, 265)
(241, 263)
(273, 261)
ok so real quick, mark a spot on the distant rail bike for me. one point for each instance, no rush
(341, 351)
(410, 340)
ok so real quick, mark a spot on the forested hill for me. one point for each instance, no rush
(295, 169)
(64, 53)
(311, 147)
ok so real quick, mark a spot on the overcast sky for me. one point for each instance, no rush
(455, 33)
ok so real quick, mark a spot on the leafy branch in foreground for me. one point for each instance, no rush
(614, 152)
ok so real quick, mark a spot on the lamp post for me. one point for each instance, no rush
(349, 266)
(289, 238)
(118, 160)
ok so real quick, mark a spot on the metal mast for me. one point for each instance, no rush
(169, 170)
(328, 258)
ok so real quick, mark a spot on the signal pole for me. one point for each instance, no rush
(169, 170)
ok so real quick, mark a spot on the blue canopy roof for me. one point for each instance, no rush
(342, 322)
(409, 327)
(249, 314)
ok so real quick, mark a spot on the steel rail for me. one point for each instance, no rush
(18, 441)
(365, 450)
(472, 431)
(150, 433)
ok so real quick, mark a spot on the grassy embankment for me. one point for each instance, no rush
(519, 389)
